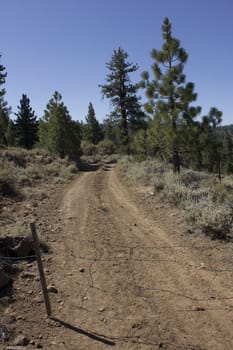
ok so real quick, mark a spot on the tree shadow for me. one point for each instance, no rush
(86, 167)
(107, 167)
(88, 334)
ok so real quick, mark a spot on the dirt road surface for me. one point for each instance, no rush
(127, 279)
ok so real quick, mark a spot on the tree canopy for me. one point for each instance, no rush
(122, 94)
(57, 132)
(26, 124)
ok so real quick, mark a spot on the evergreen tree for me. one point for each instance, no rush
(4, 109)
(122, 93)
(170, 97)
(26, 125)
(227, 152)
(211, 141)
(57, 132)
(92, 130)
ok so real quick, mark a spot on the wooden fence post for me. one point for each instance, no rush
(40, 268)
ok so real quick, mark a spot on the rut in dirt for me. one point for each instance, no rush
(128, 278)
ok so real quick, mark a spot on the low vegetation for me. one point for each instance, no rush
(21, 171)
(205, 201)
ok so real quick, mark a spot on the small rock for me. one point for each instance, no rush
(38, 300)
(26, 274)
(39, 346)
(52, 289)
(81, 269)
(102, 309)
(21, 340)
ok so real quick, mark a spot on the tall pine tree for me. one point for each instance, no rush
(26, 124)
(170, 97)
(122, 94)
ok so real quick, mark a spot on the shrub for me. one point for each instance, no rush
(106, 147)
(88, 149)
(7, 181)
(204, 200)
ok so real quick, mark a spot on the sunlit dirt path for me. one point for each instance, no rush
(130, 281)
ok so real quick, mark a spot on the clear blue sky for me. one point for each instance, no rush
(63, 45)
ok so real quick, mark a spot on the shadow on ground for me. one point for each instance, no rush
(86, 333)
(86, 167)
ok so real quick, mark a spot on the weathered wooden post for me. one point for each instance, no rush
(40, 268)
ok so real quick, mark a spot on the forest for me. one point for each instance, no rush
(168, 127)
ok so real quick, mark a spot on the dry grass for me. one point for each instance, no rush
(20, 169)
(205, 201)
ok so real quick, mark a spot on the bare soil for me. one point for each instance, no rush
(128, 275)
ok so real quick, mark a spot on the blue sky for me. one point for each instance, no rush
(63, 45)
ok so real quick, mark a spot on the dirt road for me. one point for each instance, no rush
(129, 279)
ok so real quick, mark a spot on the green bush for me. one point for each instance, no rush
(106, 147)
(88, 149)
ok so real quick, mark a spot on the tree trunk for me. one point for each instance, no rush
(176, 161)
(124, 133)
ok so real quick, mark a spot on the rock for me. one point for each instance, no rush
(102, 309)
(39, 346)
(26, 274)
(37, 300)
(81, 269)
(4, 279)
(21, 340)
(52, 289)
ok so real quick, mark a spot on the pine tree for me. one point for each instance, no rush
(26, 124)
(227, 152)
(170, 97)
(57, 132)
(4, 109)
(122, 93)
(211, 141)
(92, 130)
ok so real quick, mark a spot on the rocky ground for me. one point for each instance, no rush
(121, 270)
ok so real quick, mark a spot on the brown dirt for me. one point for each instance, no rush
(127, 275)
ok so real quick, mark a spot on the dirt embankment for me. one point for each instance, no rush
(126, 276)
